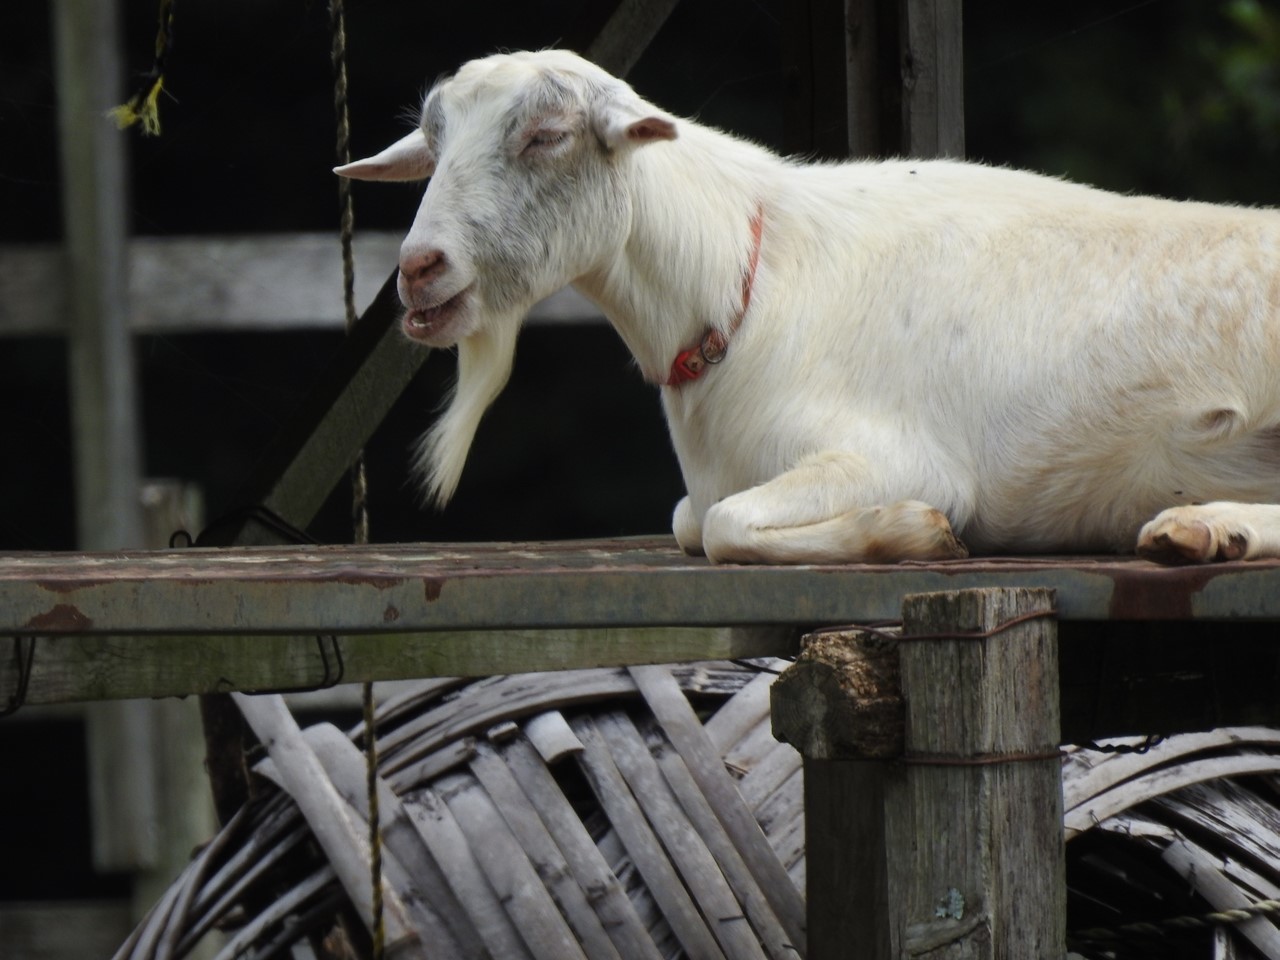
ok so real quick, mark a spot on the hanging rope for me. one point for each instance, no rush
(359, 480)
(144, 106)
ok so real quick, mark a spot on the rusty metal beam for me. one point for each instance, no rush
(409, 588)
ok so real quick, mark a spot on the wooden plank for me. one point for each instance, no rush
(414, 873)
(104, 406)
(443, 836)
(932, 78)
(959, 848)
(1003, 848)
(1203, 872)
(70, 669)
(1088, 773)
(1160, 782)
(703, 818)
(407, 588)
(629, 30)
(238, 282)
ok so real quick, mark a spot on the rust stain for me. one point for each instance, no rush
(432, 588)
(63, 618)
(1148, 591)
(70, 585)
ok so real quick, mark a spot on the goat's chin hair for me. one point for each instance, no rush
(484, 365)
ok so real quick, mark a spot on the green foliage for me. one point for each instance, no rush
(1173, 97)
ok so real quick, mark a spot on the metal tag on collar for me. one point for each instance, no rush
(714, 346)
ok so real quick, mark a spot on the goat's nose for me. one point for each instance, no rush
(421, 267)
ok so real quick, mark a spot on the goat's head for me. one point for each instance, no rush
(525, 153)
(522, 150)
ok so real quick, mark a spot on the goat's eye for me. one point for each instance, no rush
(545, 138)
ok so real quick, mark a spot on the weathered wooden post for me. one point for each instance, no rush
(933, 795)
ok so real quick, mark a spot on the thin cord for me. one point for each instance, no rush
(359, 479)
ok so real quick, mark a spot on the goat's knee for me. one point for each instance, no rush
(685, 526)
(733, 532)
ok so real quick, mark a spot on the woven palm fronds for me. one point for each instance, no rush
(649, 813)
(598, 813)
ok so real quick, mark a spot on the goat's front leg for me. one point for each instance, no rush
(817, 513)
(684, 524)
(1204, 532)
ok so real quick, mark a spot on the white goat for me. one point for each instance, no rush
(857, 359)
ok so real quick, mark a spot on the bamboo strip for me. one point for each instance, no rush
(507, 867)
(549, 863)
(684, 730)
(641, 843)
(687, 848)
(584, 859)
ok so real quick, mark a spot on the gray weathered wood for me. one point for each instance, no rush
(842, 698)
(506, 866)
(686, 847)
(69, 669)
(581, 855)
(420, 880)
(1204, 874)
(746, 886)
(642, 845)
(685, 731)
(104, 414)
(343, 841)
(959, 848)
(443, 836)
(537, 843)
(932, 78)
(627, 33)
(967, 699)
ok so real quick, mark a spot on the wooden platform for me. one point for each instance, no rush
(600, 583)
(1142, 645)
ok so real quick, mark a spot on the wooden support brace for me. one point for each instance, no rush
(933, 796)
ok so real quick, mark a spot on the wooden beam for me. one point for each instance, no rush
(627, 33)
(186, 284)
(955, 845)
(104, 413)
(409, 588)
(169, 623)
(67, 669)
(932, 62)
(904, 82)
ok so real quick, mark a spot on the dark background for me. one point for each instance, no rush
(1174, 97)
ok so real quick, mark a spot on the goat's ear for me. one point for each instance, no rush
(621, 126)
(408, 158)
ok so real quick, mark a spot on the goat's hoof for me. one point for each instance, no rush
(1180, 536)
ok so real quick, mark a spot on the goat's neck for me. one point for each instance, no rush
(680, 270)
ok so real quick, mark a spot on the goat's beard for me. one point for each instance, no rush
(484, 365)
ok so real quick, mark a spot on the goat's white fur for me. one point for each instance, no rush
(930, 346)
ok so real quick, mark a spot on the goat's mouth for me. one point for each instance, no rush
(430, 325)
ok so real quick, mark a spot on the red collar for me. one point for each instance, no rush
(689, 364)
